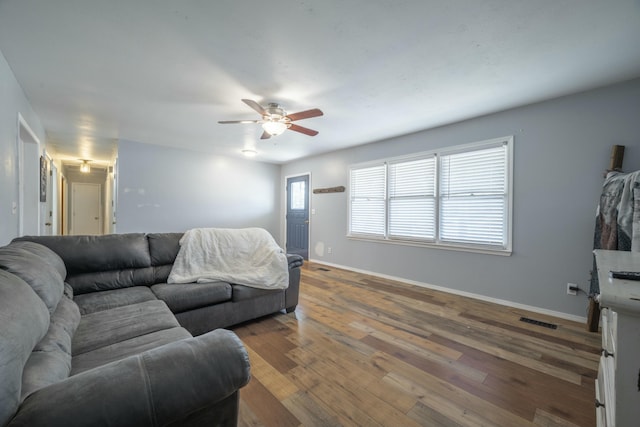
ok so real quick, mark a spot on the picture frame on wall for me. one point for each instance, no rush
(43, 179)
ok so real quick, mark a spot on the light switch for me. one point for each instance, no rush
(313, 211)
(14, 208)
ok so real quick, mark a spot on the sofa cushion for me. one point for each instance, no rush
(41, 276)
(161, 273)
(242, 293)
(107, 327)
(99, 281)
(126, 348)
(21, 329)
(163, 247)
(46, 254)
(98, 301)
(50, 360)
(188, 296)
(82, 254)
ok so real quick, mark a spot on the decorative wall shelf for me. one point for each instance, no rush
(339, 189)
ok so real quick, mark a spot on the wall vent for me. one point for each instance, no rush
(539, 323)
(322, 269)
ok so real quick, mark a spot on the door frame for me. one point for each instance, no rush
(285, 200)
(23, 125)
(49, 209)
(63, 206)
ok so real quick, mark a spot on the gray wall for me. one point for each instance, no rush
(164, 189)
(562, 148)
(12, 102)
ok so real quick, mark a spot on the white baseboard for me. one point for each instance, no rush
(506, 303)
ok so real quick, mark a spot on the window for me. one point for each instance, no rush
(368, 188)
(458, 197)
(297, 195)
(412, 201)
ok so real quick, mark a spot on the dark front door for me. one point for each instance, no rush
(298, 215)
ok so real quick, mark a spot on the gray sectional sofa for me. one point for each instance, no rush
(91, 334)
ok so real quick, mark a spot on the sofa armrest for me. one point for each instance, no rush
(294, 261)
(158, 387)
(292, 293)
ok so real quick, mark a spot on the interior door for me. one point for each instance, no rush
(86, 209)
(298, 215)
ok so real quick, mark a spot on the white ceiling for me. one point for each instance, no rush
(164, 72)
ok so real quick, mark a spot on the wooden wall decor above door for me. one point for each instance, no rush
(339, 189)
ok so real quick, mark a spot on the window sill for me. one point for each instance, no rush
(433, 245)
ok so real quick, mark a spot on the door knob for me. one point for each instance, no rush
(306, 221)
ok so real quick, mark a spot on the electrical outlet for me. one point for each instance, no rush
(329, 250)
(571, 291)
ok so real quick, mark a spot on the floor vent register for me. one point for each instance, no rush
(539, 323)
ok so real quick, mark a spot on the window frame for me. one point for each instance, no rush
(436, 242)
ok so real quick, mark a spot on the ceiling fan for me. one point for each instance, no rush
(275, 119)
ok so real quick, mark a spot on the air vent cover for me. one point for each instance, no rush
(539, 323)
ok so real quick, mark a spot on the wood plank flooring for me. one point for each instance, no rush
(364, 351)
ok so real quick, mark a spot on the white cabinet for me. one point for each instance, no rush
(618, 382)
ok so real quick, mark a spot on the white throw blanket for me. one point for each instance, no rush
(248, 256)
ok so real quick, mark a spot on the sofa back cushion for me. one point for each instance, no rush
(87, 254)
(50, 360)
(42, 276)
(46, 254)
(98, 263)
(108, 280)
(115, 261)
(25, 320)
(163, 248)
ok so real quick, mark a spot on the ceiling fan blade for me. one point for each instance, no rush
(304, 130)
(226, 122)
(265, 135)
(253, 104)
(305, 114)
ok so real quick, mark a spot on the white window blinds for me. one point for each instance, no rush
(459, 197)
(368, 200)
(473, 196)
(412, 198)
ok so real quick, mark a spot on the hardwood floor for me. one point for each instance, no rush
(364, 351)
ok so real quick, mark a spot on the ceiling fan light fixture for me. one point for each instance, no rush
(274, 128)
(275, 120)
(85, 167)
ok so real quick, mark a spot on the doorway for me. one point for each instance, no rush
(28, 180)
(297, 218)
(49, 208)
(86, 209)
